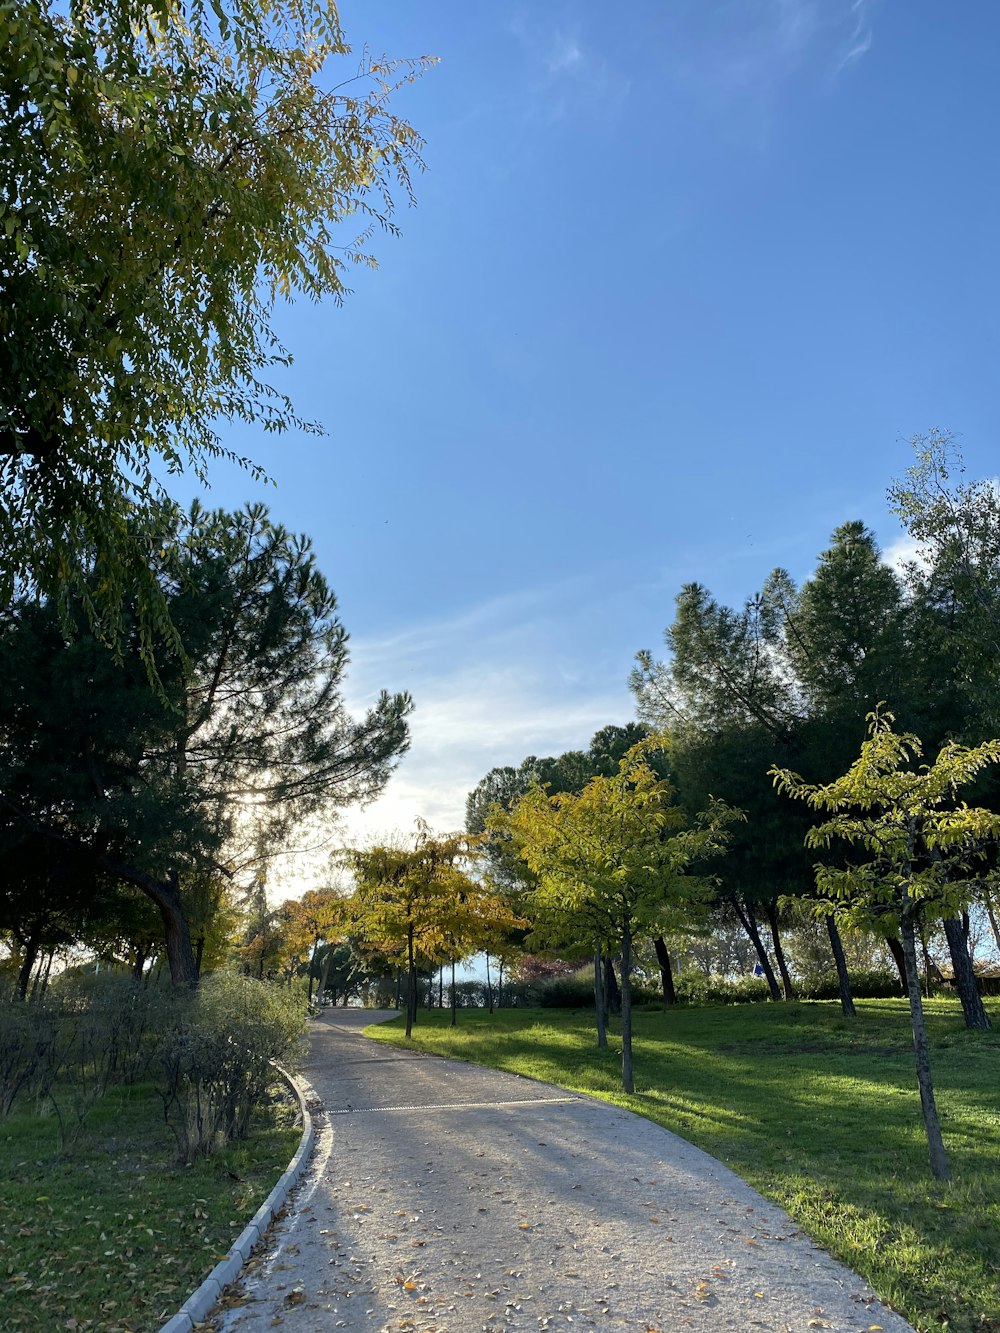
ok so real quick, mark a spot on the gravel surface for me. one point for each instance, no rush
(449, 1198)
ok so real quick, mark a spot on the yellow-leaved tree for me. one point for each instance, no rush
(614, 859)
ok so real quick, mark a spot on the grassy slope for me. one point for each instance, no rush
(112, 1234)
(818, 1113)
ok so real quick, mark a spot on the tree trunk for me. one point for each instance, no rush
(600, 1001)
(896, 949)
(311, 969)
(325, 972)
(40, 971)
(628, 1082)
(454, 996)
(991, 916)
(411, 985)
(927, 962)
(166, 894)
(749, 923)
(932, 1125)
(786, 980)
(666, 972)
(836, 944)
(613, 996)
(45, 978)
(27, 967)
(499, 982)
(489, 984)
(139, 964)
(965, 978)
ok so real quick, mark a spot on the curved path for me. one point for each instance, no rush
(449, 1198)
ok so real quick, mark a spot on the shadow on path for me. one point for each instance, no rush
(449, 1198)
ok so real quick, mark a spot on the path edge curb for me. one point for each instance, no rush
(227, 1270)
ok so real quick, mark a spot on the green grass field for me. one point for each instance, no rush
(111, 1234)
(819, 1113)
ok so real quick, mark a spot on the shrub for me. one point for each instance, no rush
(573, 992)
(27, 1038)
(218, 1054)
(865, 985)
(696, 988)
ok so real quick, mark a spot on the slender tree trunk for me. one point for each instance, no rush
(896, 949)
(312, 966)
(927, 961)
(27, 967)
(139, 964)
(411, 987)
(441, 987)
(325, 971)
(499, 982)
(600, 1002)
(454, 996)
(991, 917)
(39, 973)
(612, 993)
(749, 923)
(932, 1125)
(628, 1081)
(666, 972)
(771, 913)
(965, 978)
(836, 944)
(45, 978)
(489, 983)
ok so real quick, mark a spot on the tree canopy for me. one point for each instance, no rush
(167, 172)
(172, 789)
(922, 845)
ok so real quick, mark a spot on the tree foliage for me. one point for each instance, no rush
(615, 856)
(171, 789)
(924, 850)
(167, 172)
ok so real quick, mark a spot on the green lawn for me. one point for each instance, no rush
(111, 1234)
(819, 1113)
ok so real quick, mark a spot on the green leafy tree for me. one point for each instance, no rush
(924, 850)
(248, 736)
(618, 853)
(956, 525)
(168, 171)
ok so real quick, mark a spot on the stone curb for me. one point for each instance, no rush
(226, 1271)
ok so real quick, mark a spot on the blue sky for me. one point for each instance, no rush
(683, 280)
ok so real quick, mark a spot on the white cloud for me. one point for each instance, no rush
(569, 70)
(491, 686)
(904, 551)
(742, 51)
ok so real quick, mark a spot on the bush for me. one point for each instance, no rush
(27, 1038)
(696, 988)
(573, 992)
(217, 1057)
(865, 985)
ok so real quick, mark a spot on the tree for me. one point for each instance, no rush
(167, 172)
(617, 853)
(957, 528)
(925, 850)
(405, 899)
(210, 774)
(784, 681)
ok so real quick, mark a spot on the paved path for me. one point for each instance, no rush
(448, 1198)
